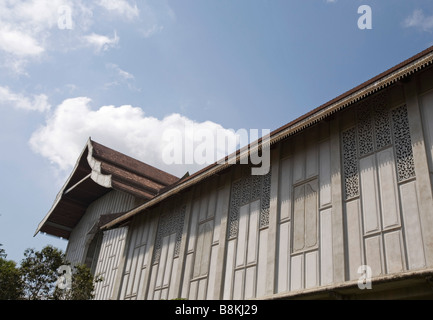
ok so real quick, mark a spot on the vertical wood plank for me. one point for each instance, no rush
(369, 194)
(325, 174)
(423, 182)
(152, 284)
(311, 214)
(229, 269)
(414, 241)
(299, 159)
(207, 243)
(242, 235)
(169, 262)
(394, 252)
(262, 263)
(199, 250)
(253, 232)
(211, 209)
(238, 289)
(426, 103)
(271, 242)
(152, 220)
(283, 258)
(312, 157)
(297, 274)
(187, 275)
(388, 188)
(311, 269)
(162, 261)
(193, 222)
(326, 265)
(212, 272)
(181, 273)
(338, 232)
(223, 205)
(193, 291)
(250, 283)
(299, 218)
(373, 253)
(285, 188)
(202, 286)
(354, 248)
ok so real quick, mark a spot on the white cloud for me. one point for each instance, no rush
(120, 7)
(101, 42)
(120, 77)
(19, 101)
(125, 128)
(121, 73)
(25, 27)
(32, 15)
(418, 20)
(147, 33)
(18, 43)
(28, 21)
(29, 29)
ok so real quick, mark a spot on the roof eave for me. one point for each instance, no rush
(383, 80)
(62, 190)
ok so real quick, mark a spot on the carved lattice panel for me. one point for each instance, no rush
(403, 144)
(377, 127)
(350, 163)
(382, 122)
(265, 200)
(246, 190)
(170, 223)
(365, 130)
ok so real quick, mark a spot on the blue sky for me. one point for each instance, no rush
(124, 71)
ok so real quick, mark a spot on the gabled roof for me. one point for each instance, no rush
(384, 80)
(99, 170)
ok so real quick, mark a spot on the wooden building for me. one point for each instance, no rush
(349, 185)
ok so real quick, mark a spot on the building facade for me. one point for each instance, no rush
(348, 197)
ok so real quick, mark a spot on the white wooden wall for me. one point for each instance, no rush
(203, 242)
(348, 192)
(305, 229)
(112, 202)
(138, 258)
(426, 102)
(111, 251)
(246, 257)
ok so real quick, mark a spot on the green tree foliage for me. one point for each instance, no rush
(2, 252)
(38, 277)
(11, 286)
(39, 272)
(82, 285)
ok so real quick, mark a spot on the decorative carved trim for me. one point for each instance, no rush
(171, 222)
(246, 190)
(265, 200)
(403, 144)
(365, 130)
(350, 163)
(372, 133)
(382, 122)
(234, 208)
